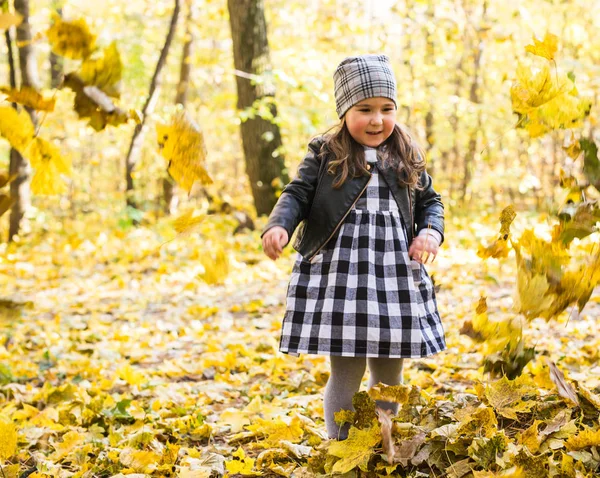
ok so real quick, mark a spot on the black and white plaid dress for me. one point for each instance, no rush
(362, 296)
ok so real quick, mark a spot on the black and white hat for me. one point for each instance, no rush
(360, 77)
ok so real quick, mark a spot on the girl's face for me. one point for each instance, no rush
(371, 121)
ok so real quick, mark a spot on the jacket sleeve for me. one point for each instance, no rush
(296, 198)
(429, 209)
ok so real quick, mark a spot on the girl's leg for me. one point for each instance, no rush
(343, 383)
(387, 371)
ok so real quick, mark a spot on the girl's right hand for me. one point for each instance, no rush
(274, 241)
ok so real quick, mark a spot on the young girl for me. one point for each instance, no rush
(359, 291)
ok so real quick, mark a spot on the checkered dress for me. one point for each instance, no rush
(362, 296)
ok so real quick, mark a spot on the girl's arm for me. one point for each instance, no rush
(429, 210)
(296, 198)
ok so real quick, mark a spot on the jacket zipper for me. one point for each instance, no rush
(341, 220)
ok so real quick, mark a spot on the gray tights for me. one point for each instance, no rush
(344, 382)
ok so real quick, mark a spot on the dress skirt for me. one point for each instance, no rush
(362, 296)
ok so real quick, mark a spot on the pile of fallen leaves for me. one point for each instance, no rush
(124, 354)
(512, 428)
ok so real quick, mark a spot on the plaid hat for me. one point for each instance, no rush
(360, 77)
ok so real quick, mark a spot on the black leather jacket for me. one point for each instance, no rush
(324, 208)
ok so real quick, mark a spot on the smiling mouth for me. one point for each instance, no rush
(374, 133)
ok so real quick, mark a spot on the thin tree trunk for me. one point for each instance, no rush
(56, 62)
(20, 188)
(170, 198)
(451, 172)
(430, 86)
(261, 137)
(140, 129)
(474, 97)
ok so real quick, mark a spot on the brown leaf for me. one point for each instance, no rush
(408, 449)
(386, 433)
(565, 389)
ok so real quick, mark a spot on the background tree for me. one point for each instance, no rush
(170, 198)
(261, 137)
(19, 166)
(139, 132)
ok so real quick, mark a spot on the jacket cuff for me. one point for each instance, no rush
(432, 233)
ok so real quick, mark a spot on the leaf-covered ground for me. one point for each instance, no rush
(118, 358)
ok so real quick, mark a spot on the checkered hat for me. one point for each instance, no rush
(360, 77)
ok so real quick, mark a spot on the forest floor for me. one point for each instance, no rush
(118, 358)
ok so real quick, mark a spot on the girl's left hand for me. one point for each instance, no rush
(423, 248)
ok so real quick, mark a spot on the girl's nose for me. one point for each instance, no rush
(377, 119)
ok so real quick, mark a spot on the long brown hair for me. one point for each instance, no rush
(400, 153)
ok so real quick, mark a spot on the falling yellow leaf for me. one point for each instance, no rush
(104, 72)
(216, 266)
(390, 393)
(545, 101)
(186, 223)
(30, 97)
(573, 150)
(546, 48)
(49, 165)
(357, 449)
(507, 216)
(16, 127)
(8, 439)
(565, 389)
(71, 39)
(8, 20)
(182, 144)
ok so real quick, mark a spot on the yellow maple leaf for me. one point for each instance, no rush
(16, 127)
(276, 430)
(507, 216)
(130, 375)
(240, 464)
(70, 441)
(30, 97)
(182, 144)
(8, 20)
(390, 393)
(236, 419)
(71, 39)
(546, 48)
(186, 223)
(357, 449)
(533, 89)
(45, 157)
(506, 395)
(104, 72)
(573, 150)
(141, 461)
(216, 267)
(8, 439)
(584, 439)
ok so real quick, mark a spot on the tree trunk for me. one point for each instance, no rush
(474, 97)
(56, 62)
(261, 137)
(170, 198)
(140, 129)
(20, 188)
(430, 86)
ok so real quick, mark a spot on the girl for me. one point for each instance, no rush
(367, 207)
